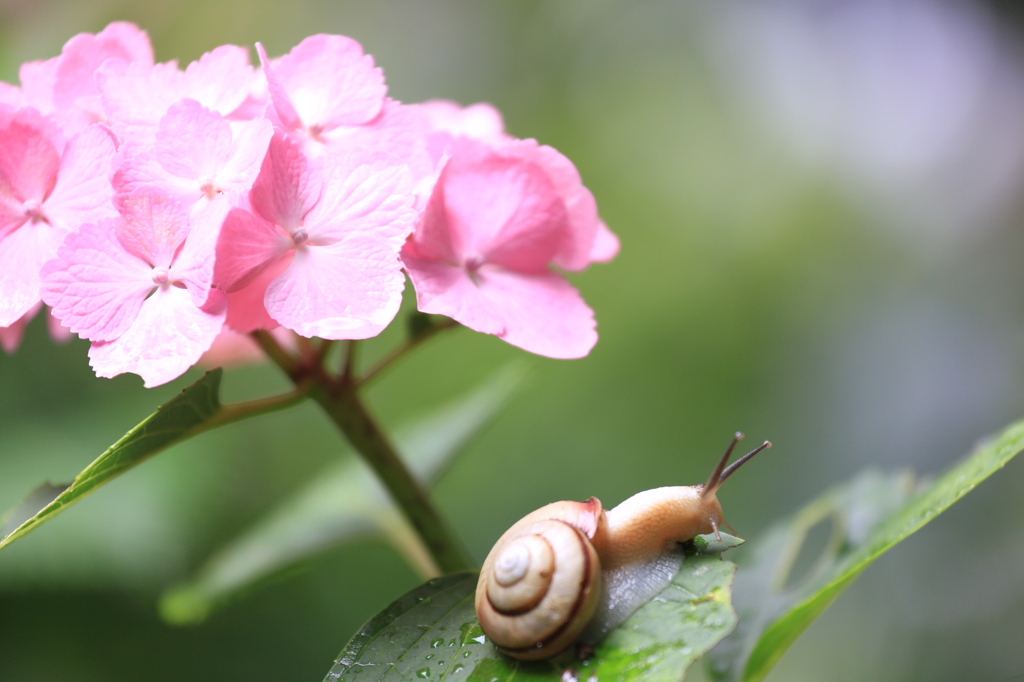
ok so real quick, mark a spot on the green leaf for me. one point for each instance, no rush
(432, 633)
(173, 421)
(867, 517)
(344, 502)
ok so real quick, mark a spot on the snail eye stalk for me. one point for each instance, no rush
(715, 479)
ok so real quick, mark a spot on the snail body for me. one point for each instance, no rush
(572, 569)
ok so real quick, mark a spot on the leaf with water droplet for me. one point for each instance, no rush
(657, 643)
(866, 516)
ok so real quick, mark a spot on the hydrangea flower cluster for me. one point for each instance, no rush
(154, 209)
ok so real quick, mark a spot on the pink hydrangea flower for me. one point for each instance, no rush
(324, 87)
(47, 188)
(137, 94)
(138, 286)
(198, 157)
(341, 219)
(65, 86)
(328, 95)
(283, 196)
(498, 219)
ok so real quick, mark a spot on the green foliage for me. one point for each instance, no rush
(172, 422)
(344, 502)
(868, 516)
(432, 633)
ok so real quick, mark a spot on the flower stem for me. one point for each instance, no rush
(348, 366)
(282, 358)
(347, 411)
(340, 401)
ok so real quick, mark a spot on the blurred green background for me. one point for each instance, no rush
(819, 205)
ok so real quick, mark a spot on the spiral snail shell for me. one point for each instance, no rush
(572, 569)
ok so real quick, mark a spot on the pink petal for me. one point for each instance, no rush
(365, 197)
(136, 96)
(234, 348)
(248, 245)
(11, 335)
(245, 158)
(246, 311)
(331, 83)
(544, 314)
(448, 121)
(192, 141)
(445, 289)
(58, 332)
(154, 225)
(433, 241)
(286, 188)
(198, 156)
(606, 245)
(30, 149)
(574, 253)
(84, 53)
(348, 290)
(37, 83)
(480, 121)
(502, 210)
(83, 191)
(95, 286)
(400, 131)
(221, 79)
(194, 264)
(139, 171)
(283, 107)
(12, 96)
(540, 313)
(22, 252)
(168, 336)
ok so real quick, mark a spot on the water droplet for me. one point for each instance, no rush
(436, 643)
(458, 668)
(465, 654)
(430, 656)
(423, 673)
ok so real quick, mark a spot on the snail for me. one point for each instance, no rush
(571, 570)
